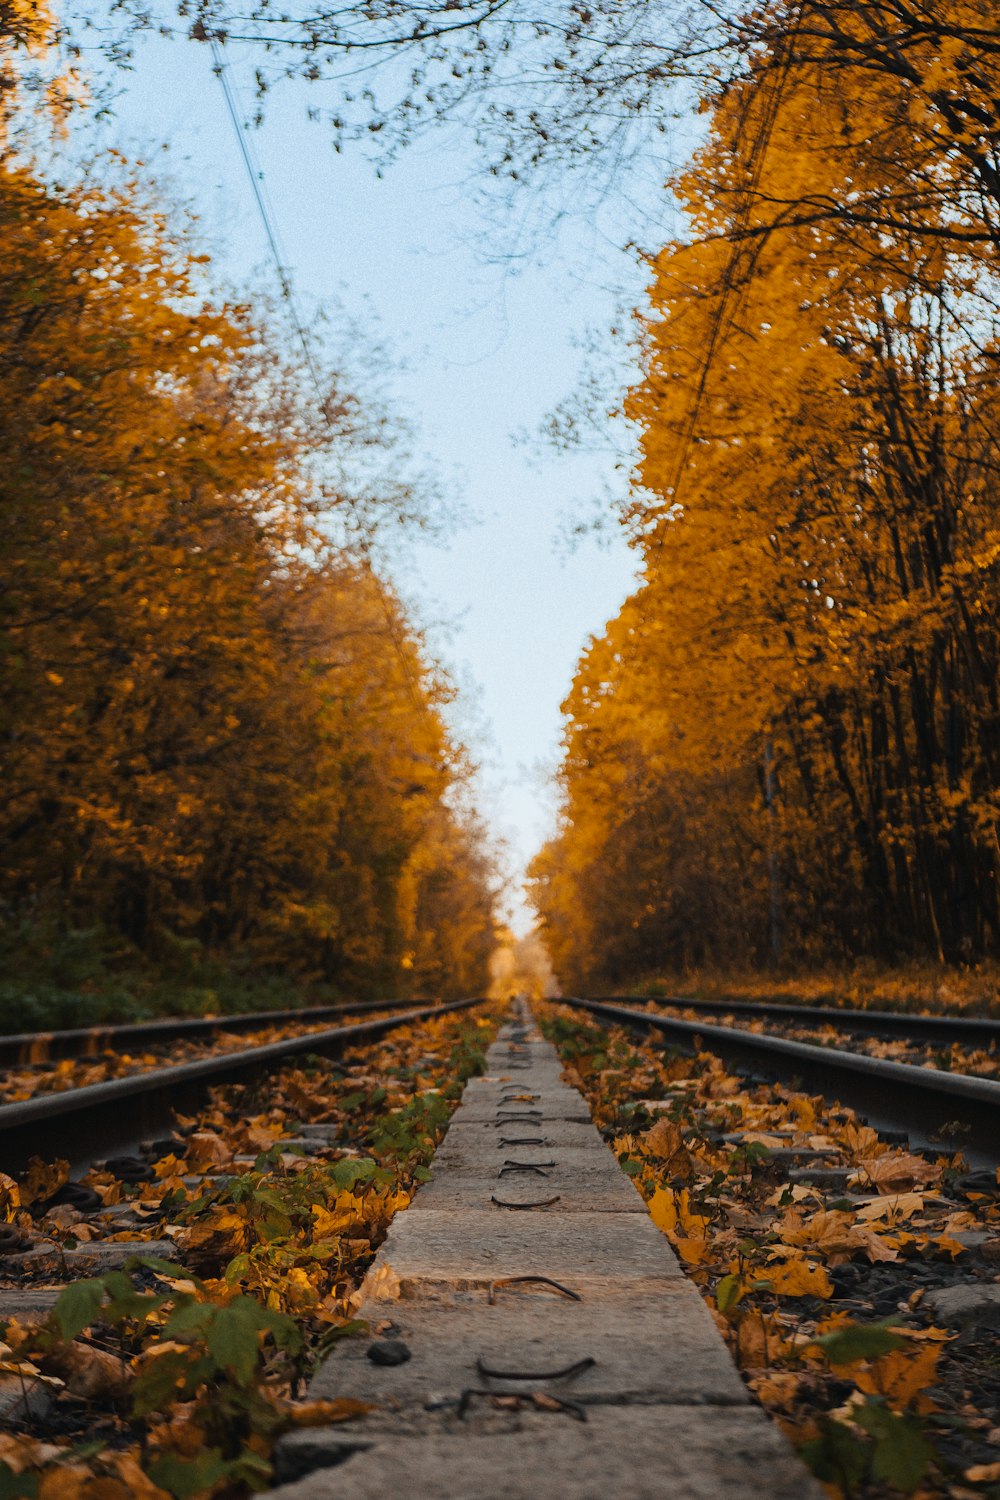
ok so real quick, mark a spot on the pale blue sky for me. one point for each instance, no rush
(488, 343)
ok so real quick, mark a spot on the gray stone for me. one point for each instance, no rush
(605, 1189)
(645, 1349)
(552, 1104)
(29, 1301)
(647, 1453)
(973, 1305)
(834, 1178)
(471, 1155)
(461, 1134)
(96, 1255)
(21, 1399)
(467, 1248)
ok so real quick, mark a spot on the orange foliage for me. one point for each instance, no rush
(217, 728)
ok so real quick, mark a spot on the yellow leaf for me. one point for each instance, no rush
(901, 1377)
(692, 1252)
(796, 1278)
(982, 1473)
(318, 1413)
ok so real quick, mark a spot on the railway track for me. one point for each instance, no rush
(933, 1108)
(81, 1124)
(973, 1030)
(88, 1041)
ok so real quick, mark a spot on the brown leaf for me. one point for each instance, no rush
(206, 1149)
(42, 1179)
(896, 1172)
(87, 1371)
(663, 1139)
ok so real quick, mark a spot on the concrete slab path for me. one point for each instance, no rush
(529, 1268)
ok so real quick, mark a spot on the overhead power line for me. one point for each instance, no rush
(265, 210)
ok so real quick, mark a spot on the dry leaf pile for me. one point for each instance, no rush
(174, 1378)
(820, 1249)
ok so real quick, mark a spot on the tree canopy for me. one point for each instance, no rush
(218, 727)
(786, 742)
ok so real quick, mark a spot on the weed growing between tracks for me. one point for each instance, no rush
(824, 1290)
(175, 1379)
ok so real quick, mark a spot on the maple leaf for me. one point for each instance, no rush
(896, 1172)
(796, 1278)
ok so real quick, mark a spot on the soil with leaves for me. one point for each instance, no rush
(174, 1378)
(822, 1250)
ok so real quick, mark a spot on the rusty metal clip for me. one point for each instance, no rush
(556, 1286)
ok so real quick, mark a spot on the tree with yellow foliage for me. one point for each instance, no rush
(801, 703)
(217, 730)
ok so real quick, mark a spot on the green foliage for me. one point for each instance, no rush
(859, 1341)
(17, 1486)
(890, 1448)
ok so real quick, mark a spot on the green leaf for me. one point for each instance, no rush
(728, 1293)
(859, 1341)
(186, 1477)
(902, 1452)
(187, 1317)
(233, 1338)
(252, 1470)
(836, 1456)
(349, 1172)
(158, 1384)
(160, 1266)
(15, 1486)
(78, 1306)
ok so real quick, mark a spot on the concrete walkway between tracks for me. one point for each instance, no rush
(530, 1268)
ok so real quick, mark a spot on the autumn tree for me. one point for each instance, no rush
(217, 728)
(807, 681)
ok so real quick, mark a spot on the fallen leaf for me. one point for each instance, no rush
(318, 1413)
(87, 1371)
(895, 1171)
(901, 1377)
(982, 1473)
(796, 1278)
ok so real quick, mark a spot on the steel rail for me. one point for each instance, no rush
(947, 1111)
(985, 1029)
(81, 1124)
(88, 1041)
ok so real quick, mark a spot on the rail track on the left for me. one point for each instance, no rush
(83, 1124)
